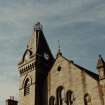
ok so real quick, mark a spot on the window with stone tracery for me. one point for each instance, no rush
(27, 87)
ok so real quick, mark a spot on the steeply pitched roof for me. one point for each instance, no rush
(92, 74)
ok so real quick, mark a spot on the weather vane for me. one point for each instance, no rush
(59, 45)
(59, 48)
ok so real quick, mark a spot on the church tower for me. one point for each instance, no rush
(33, 69)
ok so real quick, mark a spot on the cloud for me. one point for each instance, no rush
(79, 24)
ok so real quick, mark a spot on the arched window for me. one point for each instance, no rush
(27, 87)
(87, 99)
(70, 98)
(59, 99)
(52, 100)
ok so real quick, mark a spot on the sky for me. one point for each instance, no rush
(79, 25)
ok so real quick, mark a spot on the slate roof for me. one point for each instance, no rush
(92, 74)
(89, 72)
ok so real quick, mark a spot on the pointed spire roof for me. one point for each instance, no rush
(32, 44)
(38, 45)
(100, 62)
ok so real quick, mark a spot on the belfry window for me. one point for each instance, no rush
(27, 87)
(70, 98)
(87, 99)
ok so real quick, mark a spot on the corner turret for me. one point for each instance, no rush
(101, 67)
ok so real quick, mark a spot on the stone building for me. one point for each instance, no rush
(45, 80)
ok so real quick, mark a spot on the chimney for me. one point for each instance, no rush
(11, 101)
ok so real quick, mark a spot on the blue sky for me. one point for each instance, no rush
(78, 24)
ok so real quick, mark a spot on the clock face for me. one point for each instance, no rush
(46, 56)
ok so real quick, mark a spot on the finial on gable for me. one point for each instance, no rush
(100, 61)
(101, 67)
(100, 56)
(59, 49)
(38, 26)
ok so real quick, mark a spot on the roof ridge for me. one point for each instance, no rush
(92, 74)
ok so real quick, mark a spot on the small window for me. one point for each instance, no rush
(27, 87)
(59, 68)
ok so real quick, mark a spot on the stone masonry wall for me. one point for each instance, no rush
(74, 79)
